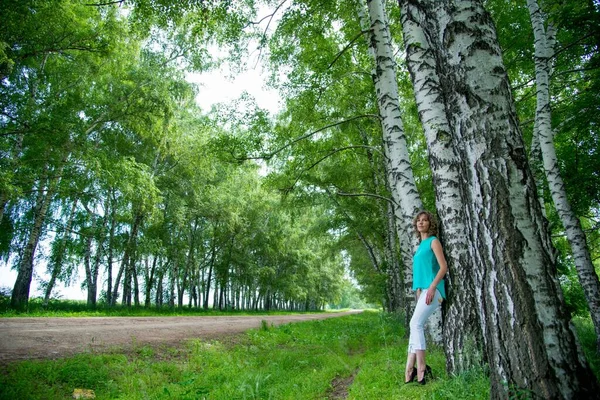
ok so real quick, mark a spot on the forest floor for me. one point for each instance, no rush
(51, 338)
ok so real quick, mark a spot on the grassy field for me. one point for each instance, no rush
(355, 357)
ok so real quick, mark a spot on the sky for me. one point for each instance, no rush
(214, 88)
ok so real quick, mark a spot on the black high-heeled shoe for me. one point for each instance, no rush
(427, 375)
(413, 375)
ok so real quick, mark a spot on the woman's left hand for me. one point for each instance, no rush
(430, 295)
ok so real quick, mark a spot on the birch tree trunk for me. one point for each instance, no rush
(544, 51)
(529, 342)
(182, 285)
(149, 273)
(399, 171)
(159, 287)
(97, 231)
(395, 279)
(544, 42)
(115, 290)
(92, 297)
(20, 294)
(136, 286)
(463, 338)
(395, 291)
(130, 258)
(110, 202)
(89, 274)
(172, 279)
(213, 255)
(56, 263)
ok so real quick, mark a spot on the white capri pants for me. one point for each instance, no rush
(422, 312)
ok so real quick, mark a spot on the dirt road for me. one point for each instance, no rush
(27, 338)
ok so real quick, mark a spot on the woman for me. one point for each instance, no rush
(429, 268)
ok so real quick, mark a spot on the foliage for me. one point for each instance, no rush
(350, 297)
(587, 338)
(573, 293)
(108, 158)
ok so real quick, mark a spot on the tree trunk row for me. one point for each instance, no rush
(507, 268)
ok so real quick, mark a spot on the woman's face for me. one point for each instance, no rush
(423, 223)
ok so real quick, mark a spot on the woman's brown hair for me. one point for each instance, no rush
(433, 225)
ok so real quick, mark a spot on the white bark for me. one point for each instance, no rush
(399, 171)
(529, 342)
(463, 338)
(386, 87)
(395, 283)
(544, 51)
(22, 286)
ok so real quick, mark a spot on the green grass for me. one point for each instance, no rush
(79, 308)
(293, 361)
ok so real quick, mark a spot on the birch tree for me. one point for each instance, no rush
(529, 342)
(544, 35)
(59, 249)
(44, 197)
(462, 329)
(399, 170)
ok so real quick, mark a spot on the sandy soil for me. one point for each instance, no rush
(28, 338)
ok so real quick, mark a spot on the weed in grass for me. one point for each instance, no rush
(145, 352)
(255, 387)
(473, 384)
(517, 393)
(264, 325)
(59, 378)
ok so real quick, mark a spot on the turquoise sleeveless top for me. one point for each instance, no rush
(426, 267)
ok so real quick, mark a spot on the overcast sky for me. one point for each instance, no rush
(215, 87)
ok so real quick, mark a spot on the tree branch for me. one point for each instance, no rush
(298, 139)
(105, 4)
(264, 35)
(361, 237)
(367, 195)
(270, 16)
(572, 71)
(350, 44)
(568, 46)
(332, 152)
